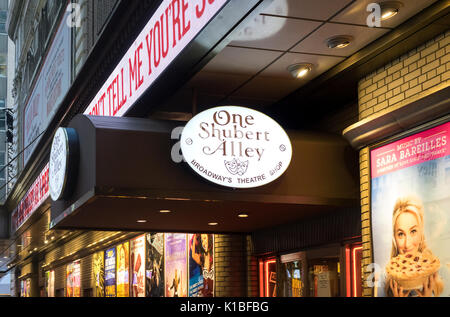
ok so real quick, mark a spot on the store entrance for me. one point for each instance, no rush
(326, 271)
(324, 277)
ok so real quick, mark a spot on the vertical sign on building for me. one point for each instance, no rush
(410, 213)
(50, 88)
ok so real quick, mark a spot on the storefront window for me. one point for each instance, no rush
(294, 285)
(330, 271)
(324, 278)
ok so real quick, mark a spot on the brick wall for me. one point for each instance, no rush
(235, 267)
(413, 75)
(365, 219)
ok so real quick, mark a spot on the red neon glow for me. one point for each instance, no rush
(348, 272)
(355, 249)
(267, 274)
(261, 278)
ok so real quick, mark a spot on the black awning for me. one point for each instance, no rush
(126, 174)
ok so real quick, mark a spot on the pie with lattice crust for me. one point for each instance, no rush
(411, 270)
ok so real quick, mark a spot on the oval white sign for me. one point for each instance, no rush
(59, 156)
(236, 147)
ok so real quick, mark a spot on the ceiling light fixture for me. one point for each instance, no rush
(243, 215)
(165, 211)
(212, 224)
(299, 70)
(339, 41)
(141, 221)
(389, 9)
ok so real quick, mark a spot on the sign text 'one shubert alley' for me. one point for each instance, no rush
(236, 147)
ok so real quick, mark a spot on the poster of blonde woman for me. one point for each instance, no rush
(410, 214)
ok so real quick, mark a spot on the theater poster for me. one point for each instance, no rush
(176, 265)
(50, 283)
(123, 269)
(98, 273)
(154, 267)
(73, 279)
(110, 272)
(201, 265)
(410, 214)
(138, 266)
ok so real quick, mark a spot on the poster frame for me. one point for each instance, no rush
(186, 265)
(113, 247)
(131, 265)
(188, 260)
(386, 141)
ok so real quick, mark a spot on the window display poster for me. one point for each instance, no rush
(73, 279)
(201, 265)
(123, 270)
(154, 265)
(175, 265)
(98, 272)
(138, 266)
(110, 272)
(410, 206)
(50, 283)
(25, 288)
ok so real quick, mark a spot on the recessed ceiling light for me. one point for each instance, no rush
(339, 41)
(389, 9)
(213, 224)
(141, 221)
(165, 211)
(243, 215)
(299, 70)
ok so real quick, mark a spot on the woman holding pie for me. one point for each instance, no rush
(413, 269)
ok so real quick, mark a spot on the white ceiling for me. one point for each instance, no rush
(251, 70)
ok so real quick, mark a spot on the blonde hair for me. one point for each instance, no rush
(413, 205)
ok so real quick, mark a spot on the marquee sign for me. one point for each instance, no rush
(236, 147)
(172, 27)
(33, 199)
(63, 162)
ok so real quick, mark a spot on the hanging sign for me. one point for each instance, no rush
(236, 147)
(63, 162)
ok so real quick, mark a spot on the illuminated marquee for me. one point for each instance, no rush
(173, 26)
(34, 198)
